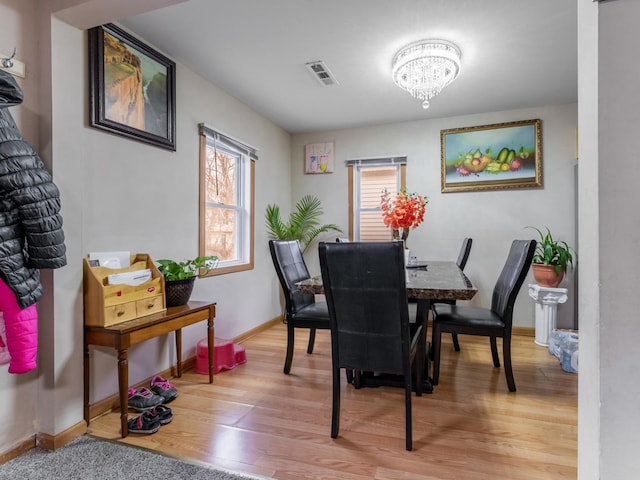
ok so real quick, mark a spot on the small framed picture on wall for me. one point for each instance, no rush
(318, 158)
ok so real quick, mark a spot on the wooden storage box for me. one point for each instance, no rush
(106, 305)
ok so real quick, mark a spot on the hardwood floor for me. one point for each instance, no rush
(257, 420)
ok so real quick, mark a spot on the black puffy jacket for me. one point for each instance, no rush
(31, 235)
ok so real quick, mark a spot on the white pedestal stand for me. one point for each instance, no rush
(547, 300)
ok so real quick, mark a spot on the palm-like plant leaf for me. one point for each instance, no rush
(303, 225)
(275, 226)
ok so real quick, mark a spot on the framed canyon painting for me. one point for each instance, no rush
(131, 87)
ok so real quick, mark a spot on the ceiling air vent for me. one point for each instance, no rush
(321, 73)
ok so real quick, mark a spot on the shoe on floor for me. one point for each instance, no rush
(161, 386)
(162, 413)
(144, 423)
(143, 399)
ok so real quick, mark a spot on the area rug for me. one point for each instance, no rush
(91, 458)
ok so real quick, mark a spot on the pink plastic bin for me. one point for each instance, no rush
(227, 355)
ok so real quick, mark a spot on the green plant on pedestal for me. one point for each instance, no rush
(551, 259)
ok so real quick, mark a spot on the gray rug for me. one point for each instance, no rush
(90, 458)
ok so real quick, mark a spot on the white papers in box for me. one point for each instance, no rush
(110, 259)
(134, 278)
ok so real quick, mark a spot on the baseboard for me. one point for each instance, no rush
(260, 328)
(54, 442)
(18, 450)
(524, 331)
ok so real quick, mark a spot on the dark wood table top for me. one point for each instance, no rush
(429, 280)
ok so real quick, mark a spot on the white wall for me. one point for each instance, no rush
(144, 199)
(118, 194)
(609, 412)
(492, 218)
(18, 393)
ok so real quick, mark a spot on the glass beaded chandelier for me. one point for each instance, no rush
(425, 67)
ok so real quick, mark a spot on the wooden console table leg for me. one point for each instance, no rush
(86, 367)
(179, 352)
(210, 346)
(123, 386)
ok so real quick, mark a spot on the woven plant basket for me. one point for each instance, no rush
(178, 292)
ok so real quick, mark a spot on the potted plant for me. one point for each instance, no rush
(179, 277)
(303, 224)
(551, 259)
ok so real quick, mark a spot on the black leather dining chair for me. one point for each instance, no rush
(302, 311)
(494, 322)
(365, 287)
(463, 256)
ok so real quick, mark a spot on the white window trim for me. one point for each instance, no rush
(357, 165)
(244, 210)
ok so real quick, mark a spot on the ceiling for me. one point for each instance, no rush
(515, 54)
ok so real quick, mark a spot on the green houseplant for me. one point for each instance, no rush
(303, 224)
(551, 259)
(179, 277)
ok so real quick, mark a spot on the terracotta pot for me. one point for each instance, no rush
(546, 275)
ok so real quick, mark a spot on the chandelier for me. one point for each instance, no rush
(425, 67)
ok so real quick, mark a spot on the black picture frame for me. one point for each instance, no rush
(131, 88)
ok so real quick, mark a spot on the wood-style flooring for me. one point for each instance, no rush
(257, 420)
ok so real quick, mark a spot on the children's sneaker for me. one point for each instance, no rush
(143, 399)
(160, 386)
(162, 413)
(144, 423)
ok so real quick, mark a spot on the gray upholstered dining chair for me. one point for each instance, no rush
(494, 322)
(302, 311)
(365, 288)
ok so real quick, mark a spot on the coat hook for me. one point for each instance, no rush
(8, 62)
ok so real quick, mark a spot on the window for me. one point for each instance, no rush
(367, 180)
(226, 200)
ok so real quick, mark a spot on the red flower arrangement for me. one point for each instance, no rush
(404, 211)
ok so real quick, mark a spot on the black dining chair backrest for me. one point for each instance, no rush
(291, 269)
(365, 288)
(302, 310)
(511, 278)
(463, 256)
(494, 322)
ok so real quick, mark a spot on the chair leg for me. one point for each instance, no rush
(418, 361)
(357, 382)
(494, 352)
(335, 411)
(456, 345)
(508, 368)
(408, 426)
(312, 339)
(435, 345)
(289, 356)
(349, 373)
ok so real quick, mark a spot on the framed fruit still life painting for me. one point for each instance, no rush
(492, 157)
(131, 88)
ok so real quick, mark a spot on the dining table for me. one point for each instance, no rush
(426, 281)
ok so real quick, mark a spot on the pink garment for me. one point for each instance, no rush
(4, 351)
(21, 329)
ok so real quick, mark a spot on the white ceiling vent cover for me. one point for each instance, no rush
(321, 73)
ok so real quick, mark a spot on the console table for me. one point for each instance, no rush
(123, 335)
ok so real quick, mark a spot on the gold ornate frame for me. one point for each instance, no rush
(492, 157)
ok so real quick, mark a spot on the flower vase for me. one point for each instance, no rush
(407, 256)
(403, 234)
